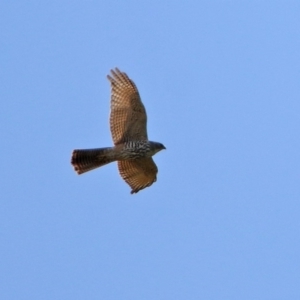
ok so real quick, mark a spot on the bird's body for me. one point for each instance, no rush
(86, 160)
(132, 149)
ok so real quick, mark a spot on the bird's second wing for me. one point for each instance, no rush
(128, 119)
(139, 173)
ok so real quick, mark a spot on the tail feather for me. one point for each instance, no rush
(89, 159)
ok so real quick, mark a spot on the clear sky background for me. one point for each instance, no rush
(220, 82)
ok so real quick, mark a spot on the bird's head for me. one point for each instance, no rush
(156, 147)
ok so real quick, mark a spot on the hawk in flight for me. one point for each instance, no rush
(128, 125)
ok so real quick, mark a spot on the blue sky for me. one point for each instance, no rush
(220, 82)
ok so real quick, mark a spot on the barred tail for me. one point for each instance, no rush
(89, 159)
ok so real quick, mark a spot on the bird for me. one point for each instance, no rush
(128, 125)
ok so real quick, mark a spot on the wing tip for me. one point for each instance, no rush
(135, 191)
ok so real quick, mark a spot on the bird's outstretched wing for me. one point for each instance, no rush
(128, 119)
(138, 173)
